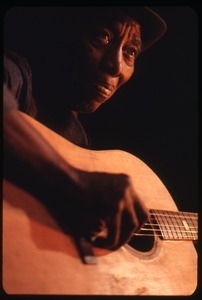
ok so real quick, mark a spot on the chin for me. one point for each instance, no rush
(87, 107)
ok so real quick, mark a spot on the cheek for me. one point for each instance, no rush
(90, 58)
(127, 74)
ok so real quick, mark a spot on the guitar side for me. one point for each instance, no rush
(38, 258)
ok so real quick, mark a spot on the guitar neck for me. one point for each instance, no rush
(171, 225)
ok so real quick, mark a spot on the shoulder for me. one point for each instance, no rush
(18, 79)
(16, 71)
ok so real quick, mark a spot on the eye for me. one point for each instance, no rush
(131, 54)
(103, 37)
(100, 37)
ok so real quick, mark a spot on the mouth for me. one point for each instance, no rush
(103, 89)
(92, 94)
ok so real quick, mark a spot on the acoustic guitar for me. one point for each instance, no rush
(39, 258)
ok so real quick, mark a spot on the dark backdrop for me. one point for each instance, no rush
(155, 117)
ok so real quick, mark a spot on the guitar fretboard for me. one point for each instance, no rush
(171, 225)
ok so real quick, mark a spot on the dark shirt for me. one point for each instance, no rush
(18, 94)
(18, 80)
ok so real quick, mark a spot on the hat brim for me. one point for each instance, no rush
(153, 27)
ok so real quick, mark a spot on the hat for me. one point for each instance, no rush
(153, 27)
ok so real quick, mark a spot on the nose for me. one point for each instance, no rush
(112, 61)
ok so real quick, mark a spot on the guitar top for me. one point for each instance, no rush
(38, 258)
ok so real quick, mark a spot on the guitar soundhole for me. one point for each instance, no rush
(143, 243)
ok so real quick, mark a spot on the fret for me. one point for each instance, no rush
(172, 225)
(192, 223)
(169, 227)
(190, 220)
(176, 226)
(180, 227)
(185, 223)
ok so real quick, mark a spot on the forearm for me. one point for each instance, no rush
(29, 158)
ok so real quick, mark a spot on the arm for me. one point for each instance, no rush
(24, 146)
(89, 203)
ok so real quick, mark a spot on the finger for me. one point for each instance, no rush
(131, 215)
(130, 219)
(142, 213)
(137, 208)
(112, 230)
(122, 225)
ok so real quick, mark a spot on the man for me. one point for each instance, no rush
(101, 46)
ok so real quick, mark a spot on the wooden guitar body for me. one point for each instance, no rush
(38, 258)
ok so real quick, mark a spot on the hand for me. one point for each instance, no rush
(93, 204)
(108, 210)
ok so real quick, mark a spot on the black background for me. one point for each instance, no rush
(156, 116)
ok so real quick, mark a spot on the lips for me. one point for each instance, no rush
(103, 88)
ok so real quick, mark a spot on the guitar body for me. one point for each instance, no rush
(38, 258)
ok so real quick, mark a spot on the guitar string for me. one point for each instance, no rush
(173, 214)
(173, 221)
(192, 228)
(191, 233)
(181, 234)
(170, 225)
(164, 227)
(183, 237)
(160, 235)
(187, 216)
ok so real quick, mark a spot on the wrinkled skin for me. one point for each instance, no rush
(106, 62)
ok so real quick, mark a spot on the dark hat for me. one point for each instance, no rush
(153, 27)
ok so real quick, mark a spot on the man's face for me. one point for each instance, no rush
(107, 61)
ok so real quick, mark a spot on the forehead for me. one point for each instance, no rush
(120, 26)
(118, 22)
(108, 17)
